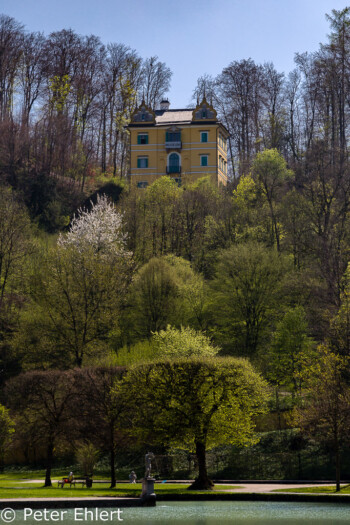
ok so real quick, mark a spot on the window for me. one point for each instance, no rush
(142, 138)
(142, 162)
(204, 113)
(174, 165)
(204, 160)
(142, 184)
(173, 136)
(204, 136)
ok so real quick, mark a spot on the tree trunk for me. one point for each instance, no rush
(49, 464)
(112, 461)
(202, 482)
(337, 468)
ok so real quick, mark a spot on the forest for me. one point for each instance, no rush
(196, 318)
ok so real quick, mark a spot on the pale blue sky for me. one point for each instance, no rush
(193, 37)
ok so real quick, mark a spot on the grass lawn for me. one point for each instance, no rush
(318, 490)
(16, 486)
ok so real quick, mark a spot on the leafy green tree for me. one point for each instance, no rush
(246, 296)
(76, 299)
(159, 232)
(291, 351)
(165, 291)
(248, 211)
(185, 342)
(270, 171)
(87, 456)
(192, 294)
(195, 404)
(16, 245)
(326, 415)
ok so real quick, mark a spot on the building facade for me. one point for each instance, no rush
(185, 144)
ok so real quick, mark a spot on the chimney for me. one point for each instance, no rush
(165, 104)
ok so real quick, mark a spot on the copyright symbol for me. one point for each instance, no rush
(7, 515)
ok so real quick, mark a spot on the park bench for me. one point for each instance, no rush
(65, 481)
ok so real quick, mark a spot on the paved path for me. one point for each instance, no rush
(241, 487)
(268, 487)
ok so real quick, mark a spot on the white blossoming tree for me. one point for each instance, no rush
(99, 229)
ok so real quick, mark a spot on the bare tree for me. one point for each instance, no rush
(156, 81)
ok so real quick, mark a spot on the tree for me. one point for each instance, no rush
(326, 415)
(154, 297)
(195, 403)
(165, 291)
(240, 88)
(270, 172)
(76, 300)
(246, 296)
(156, 81)
(182, 343)
(11, 34)
(101, 408)
(291, 351)
(99, 228)
(15, 233)
(15, 248)
(87, 456)
(43, 400)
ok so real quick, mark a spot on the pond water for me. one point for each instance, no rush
(203, 513)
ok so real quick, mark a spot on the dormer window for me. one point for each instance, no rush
(204, 113)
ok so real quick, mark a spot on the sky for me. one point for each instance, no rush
(192, 37)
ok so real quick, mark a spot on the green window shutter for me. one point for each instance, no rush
(142, 138)
(204, 136)
(142, 162)
(204, 160)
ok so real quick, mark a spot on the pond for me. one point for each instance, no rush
(204, 513)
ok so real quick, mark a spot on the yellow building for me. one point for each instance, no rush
(183, 143)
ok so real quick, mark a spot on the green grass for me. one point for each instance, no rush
(318, 490)
(14, 486)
